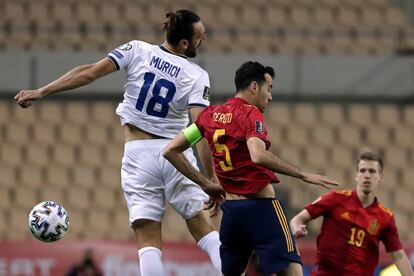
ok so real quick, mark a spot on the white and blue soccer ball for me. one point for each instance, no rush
(48, 221)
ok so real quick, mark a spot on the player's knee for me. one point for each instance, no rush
(147, 232)
(144, 223)
(190, 209)
(294, 269)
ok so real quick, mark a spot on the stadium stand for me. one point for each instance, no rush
(296, 27)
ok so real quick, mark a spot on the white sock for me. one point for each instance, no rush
(210, 244)
(150, 263)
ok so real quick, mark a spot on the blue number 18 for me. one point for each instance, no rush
(156, 97)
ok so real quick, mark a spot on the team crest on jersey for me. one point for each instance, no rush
(373, 227)
(346, 216)
(206, 93)
(125, 47)
(259, 127)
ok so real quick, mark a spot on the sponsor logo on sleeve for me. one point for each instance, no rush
(259, 127)
(125, 47)
(206, 93)
(117, 54)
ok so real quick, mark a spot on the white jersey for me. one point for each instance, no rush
(160, 87)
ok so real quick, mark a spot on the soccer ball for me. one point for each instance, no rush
(48, 221)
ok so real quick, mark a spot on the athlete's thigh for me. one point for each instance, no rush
(235, 249)
(186, 197)
(272, 239)
(142, 182)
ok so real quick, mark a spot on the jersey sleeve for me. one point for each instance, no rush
(255, 126)
(123, 55)
(200, 93)
(390, 237)
(322, 205)
(201, 120)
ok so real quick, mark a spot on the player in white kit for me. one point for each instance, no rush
(162, 85)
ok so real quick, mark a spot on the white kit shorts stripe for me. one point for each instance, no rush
(148, 180)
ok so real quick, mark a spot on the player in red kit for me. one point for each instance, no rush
(253, 219)
(354, 223)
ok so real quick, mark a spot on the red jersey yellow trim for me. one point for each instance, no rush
(385, 209)
(283, 222)
(344, 192)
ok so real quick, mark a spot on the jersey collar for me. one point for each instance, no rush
(168, 51)
(355, 196)
(238, 100)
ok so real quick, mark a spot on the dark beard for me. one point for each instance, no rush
(191, 51)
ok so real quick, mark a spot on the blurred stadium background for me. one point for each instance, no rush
(344, 81)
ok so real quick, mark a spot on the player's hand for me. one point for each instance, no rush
(320, 180)
(217, 196)
(25, 97)
(214, 206)
(299, 231)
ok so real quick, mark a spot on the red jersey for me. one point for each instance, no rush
(349, 240)
(227, 128)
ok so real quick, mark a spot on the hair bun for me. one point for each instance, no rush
(171, 20)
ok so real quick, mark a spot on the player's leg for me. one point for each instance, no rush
(236, 248)
(189, 203)
(294, 269)
(148, 237)
(275, 245)
(206, 237)
(144, 194)
(188, 199)
(199, 225)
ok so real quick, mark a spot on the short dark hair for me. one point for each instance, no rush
(371, 156)
(251, 71)
(179, 25)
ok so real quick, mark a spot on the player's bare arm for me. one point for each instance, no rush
(77, 77)
(298, 223)
(402, 262)
(174, 153)
(265, 158)
(203, 149)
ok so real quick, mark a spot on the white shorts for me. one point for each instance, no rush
(148, 179)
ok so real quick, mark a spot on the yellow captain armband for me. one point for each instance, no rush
(192, 134)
